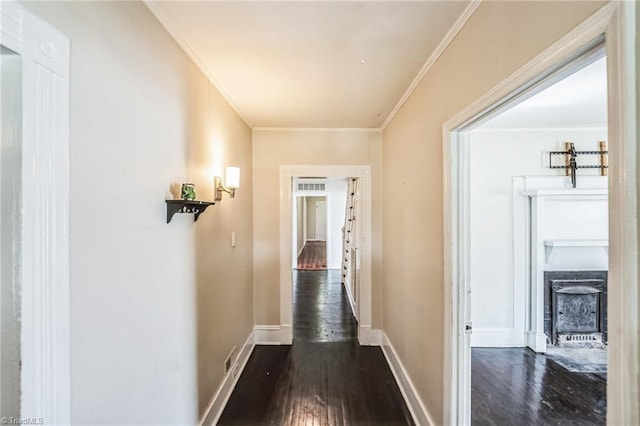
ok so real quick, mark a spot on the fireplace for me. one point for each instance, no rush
(575, 308)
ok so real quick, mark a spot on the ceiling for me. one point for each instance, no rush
(311, 63)
(580, 100)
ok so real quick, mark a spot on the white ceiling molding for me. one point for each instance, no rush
(462, 20)
(175, 34)
(316, 129)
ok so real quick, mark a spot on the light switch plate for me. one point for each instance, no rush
(233, 239)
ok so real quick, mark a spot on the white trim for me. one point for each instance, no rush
(457, 348)
(485, 129)
(157, 11)
(219, 401)
(448, 38)
(417, 409)
(45, 304)
(287, 173)
(623, 375)
(350, 297)
(368, 336)
(286, 334)
(317, 129)
(267, 335)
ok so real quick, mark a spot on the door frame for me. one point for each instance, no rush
(45, 302)
(294, 229)
(366, 336)
(615, 22)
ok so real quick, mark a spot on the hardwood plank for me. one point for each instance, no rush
(325, 377)
(517, 386)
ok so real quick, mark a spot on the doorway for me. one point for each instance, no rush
(612, 19)
(531, 234)
(310, 232)
(288, 174)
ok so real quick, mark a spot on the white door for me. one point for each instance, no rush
(321, 220)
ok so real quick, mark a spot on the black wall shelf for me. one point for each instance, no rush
(186, 206)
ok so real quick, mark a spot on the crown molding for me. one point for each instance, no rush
(317, 129)
(157, 11)
(448, 38)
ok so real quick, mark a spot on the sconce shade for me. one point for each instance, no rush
(232, 178)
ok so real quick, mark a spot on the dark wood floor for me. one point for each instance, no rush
(321, 308)
(325, 377)
(519, 387)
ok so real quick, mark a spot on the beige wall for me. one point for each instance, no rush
(499, 38)
(224, 275)
(155, 307)
(272, 148)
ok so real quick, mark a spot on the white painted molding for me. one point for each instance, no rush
(267, 335)
(485, 129)
(286, 334)
(623, 374)
(317, 129)
(457, 370)
(448, 38)
(219, 401)
(11, 24)
(156, 10)
(368, 336)
(45, 300)
(418, 411)
(351, 300)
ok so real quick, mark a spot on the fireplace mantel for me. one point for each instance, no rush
(562, 229)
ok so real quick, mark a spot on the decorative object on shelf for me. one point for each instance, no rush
(571, 165)
(188, 191)
(186, 206)
(232, 182)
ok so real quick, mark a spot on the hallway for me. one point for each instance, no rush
(325, 377)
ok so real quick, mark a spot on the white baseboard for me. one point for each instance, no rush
(498, 338)
(414, 403)
(368, 336)
(537, 342)
(351, 302)
(267, 335)
(286, 334)
(219, 400)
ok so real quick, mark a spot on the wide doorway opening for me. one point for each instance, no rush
(538, 253)
(605, 32)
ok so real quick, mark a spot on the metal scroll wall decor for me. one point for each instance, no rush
(571, 164)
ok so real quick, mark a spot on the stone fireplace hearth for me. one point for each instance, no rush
(575, 308)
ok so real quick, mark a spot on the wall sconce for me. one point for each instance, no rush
(232, 182)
